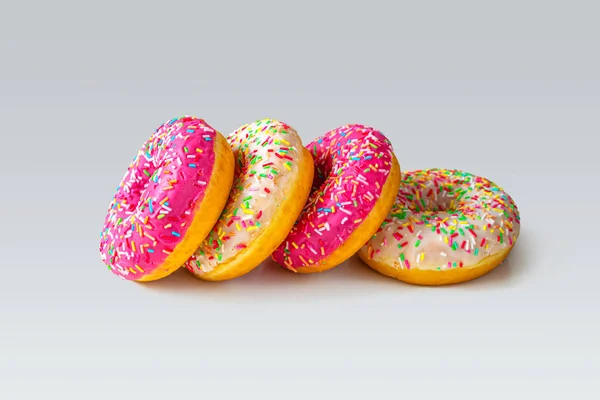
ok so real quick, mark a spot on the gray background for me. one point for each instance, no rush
(510, 91)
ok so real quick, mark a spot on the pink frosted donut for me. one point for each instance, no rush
(356, 180)
(169, 199)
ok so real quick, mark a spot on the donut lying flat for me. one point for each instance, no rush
(167, 202)
(446, 226)
(356, 180)
(273, 177)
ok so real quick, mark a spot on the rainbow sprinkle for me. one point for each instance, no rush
(266, 154)
(352, 164)
(139, 230)
(445, 219)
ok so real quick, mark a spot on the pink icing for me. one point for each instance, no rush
(153, 206)
(352, 164)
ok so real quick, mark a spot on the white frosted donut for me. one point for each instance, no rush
(273, 177)
(447, 226)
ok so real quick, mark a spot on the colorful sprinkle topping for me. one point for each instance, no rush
(266, 153)
(154, 203)
(445, 219)
(352, 164)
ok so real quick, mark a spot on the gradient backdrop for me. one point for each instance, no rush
(511, 93)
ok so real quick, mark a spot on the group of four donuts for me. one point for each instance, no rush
(220, 206)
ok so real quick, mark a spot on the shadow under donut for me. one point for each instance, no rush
(270, 277)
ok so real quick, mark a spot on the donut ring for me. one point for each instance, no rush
(168, 200)
(447, 226)
(273, 177)
(356, 180)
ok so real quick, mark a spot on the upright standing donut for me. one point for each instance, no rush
(168, 200)
(357, 178)
(272, 181)
(447, 226)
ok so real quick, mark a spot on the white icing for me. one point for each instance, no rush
(266, 154)
(487, 213)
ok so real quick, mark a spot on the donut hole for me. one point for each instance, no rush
(445, 200)
(143, 179)
(136, 193)
(437, 196)
(249, 176)
(326, 171)
(323, 168)
(331, 163)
